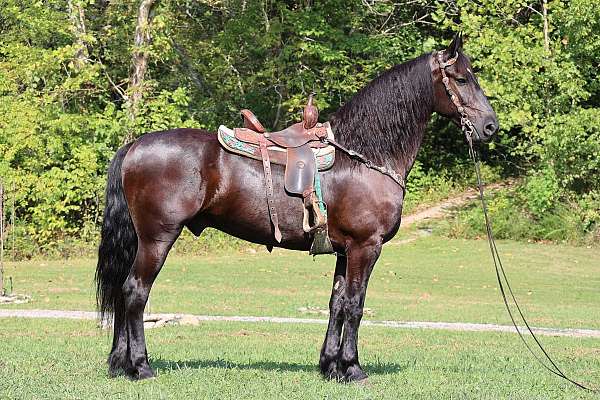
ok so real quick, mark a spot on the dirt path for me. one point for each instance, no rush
(439, 210)
(188, 319)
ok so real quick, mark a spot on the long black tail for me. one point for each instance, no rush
(118, 243)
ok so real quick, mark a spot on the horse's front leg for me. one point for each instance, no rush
(331, 345)
(360, 261)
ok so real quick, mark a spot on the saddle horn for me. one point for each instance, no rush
(310, 115)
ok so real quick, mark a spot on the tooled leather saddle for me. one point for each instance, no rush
(302, 150)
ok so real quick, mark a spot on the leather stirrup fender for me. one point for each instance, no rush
(269, 186)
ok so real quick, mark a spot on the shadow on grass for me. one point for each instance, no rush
(169, 365)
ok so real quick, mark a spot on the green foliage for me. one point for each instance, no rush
(540, 192)
(570, 146)
(547, 103)
(531, 212)
(62, 117)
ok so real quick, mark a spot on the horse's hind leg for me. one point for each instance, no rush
(117, 360)
(149, 260)
(331, 346)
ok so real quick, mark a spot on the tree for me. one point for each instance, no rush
(143, 38)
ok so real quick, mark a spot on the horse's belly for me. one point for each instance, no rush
(239, 205)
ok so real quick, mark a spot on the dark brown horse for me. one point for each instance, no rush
(165, 181)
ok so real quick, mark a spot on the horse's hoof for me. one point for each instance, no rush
(141, 373)
(114, 372)
(333, 374)
(116, 364)
(330, 371)
(355, 374)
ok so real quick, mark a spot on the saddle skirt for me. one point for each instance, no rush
(324, 155)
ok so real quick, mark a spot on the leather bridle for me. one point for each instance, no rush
(465, 123)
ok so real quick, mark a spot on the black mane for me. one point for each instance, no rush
(386, 119)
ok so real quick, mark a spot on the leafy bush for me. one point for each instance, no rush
(540, 192)
(515, 215)
(570, 146)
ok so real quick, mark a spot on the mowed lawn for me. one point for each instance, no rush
(430, 279)
(48, 359)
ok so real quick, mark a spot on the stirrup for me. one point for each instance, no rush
(321, 243)
(320, 219)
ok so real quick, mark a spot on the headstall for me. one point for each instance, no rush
(465, 123)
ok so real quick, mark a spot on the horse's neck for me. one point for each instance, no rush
(405, 160)
(386, 120)
(400, 161)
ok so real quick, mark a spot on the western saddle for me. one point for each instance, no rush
(303, 151)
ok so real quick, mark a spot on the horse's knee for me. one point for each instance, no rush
(353, 307)
(135, 294)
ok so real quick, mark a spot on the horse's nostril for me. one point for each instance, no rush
(490, 128)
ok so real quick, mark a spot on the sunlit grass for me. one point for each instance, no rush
(45, 359)
(431, 279)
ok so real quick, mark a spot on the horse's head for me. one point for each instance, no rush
(457, 94)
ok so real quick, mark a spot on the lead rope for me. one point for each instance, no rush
(469, 130)
(501, 275)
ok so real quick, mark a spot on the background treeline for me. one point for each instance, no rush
(78, 77)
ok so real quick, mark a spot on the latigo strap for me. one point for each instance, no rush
(269, 185)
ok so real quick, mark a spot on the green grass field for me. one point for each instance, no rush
(430, 279)
(45, 359)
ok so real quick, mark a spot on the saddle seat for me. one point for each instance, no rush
(295, 135)
(302, 149)
(324, 154)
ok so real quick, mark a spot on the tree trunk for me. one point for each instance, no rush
(77, 17)
(545, 18)
(143, 39)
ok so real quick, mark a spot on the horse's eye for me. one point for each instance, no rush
(461, 81)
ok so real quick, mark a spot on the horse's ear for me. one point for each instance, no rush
(456, 45)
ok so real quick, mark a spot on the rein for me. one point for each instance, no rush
(469, 130)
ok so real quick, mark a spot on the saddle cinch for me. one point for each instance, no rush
(301, 149)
